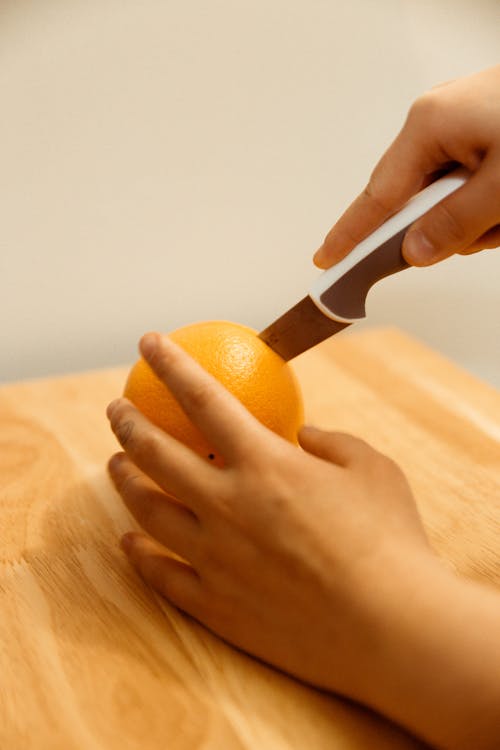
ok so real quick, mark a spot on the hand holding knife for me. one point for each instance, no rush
(337, 297)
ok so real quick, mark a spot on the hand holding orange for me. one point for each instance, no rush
(243, 363)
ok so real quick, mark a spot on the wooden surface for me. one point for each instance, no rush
(92, 659)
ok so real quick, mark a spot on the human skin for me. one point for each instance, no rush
(312, 558)
(455, 123)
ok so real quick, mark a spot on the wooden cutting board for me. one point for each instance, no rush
(92, 659)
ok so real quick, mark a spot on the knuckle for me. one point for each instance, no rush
(199, 396)
(126, 483)
(138, 440)
(384, 465)
(424, 106)
(124, 431)
(376, 196)
(418, 106)
(388, 463)
(162, 361)
(355, 447)
(360, 444)
(428, 116)
(147, 445)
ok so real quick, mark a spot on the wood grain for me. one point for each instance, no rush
(91, 659)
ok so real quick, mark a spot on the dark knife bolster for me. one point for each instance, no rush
(304, 325)
(300, 328)
(347, 296)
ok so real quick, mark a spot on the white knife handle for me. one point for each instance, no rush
(340, 292)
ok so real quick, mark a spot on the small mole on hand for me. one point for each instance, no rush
(211, 456)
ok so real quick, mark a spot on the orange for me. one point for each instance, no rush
(243, 363)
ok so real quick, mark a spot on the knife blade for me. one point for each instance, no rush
(337, 297)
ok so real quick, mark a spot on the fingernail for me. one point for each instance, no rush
(418, 249)
(148, 344)
(111, 407)
(318, 256)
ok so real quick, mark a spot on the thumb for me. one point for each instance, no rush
(458, 221)
(338, 447)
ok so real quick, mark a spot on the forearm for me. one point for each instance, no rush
(437, 666)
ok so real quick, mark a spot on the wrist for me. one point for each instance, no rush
(431, 667)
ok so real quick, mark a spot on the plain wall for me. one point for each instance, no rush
(163, 162)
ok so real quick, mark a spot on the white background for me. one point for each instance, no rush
(167, 161)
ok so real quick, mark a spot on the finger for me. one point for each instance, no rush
(171, 465)
(176, 581)
(457, 221)
(212, 408)
(403, 170)
(487, 241)
(168, 521)
(337, 447)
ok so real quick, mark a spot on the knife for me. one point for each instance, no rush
(337, 297)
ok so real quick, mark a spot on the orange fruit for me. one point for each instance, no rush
(243, 363)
